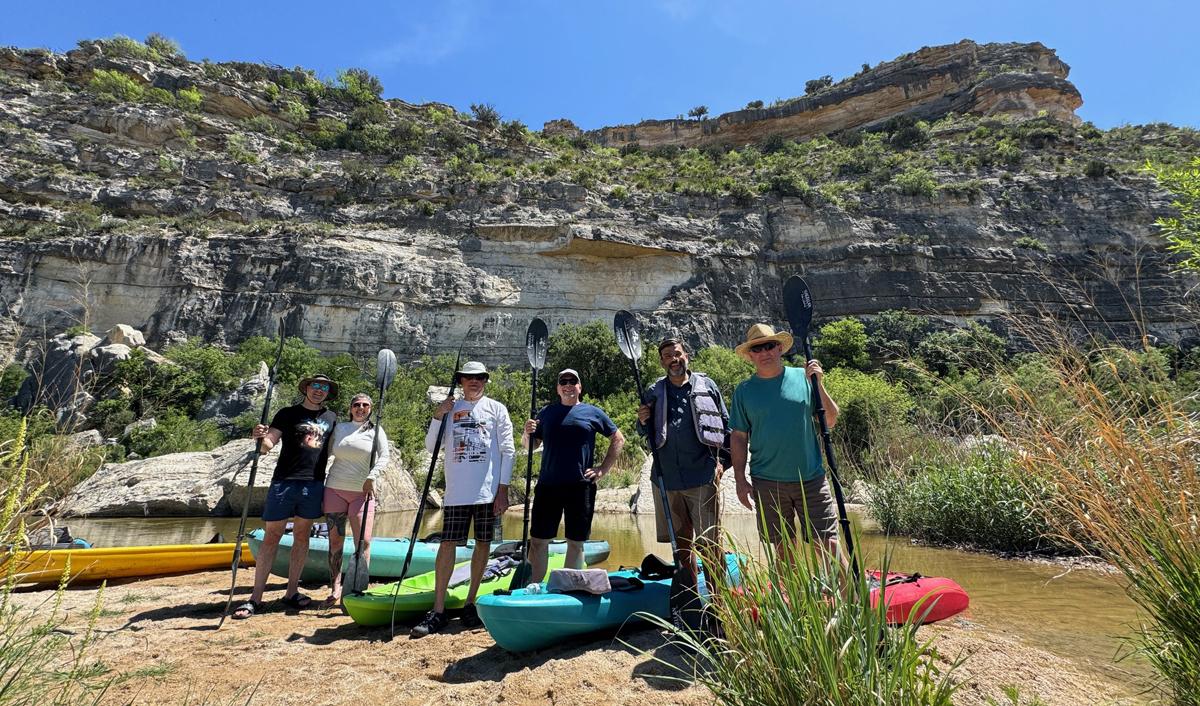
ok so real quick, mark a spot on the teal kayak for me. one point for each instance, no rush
(387, 555)
(520, 622)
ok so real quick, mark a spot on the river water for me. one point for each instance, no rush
(1079, 615)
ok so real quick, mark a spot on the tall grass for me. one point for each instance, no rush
(38, 663)
(790, 638)
(1124, 468)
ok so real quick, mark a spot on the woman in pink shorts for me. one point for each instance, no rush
(350, 485)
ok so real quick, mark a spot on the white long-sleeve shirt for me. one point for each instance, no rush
(478, 450)
(352, 451)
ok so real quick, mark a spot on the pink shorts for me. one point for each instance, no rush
(351, 503)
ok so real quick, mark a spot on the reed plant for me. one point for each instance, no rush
(800, 631)
(39, 663)
(1125, 471)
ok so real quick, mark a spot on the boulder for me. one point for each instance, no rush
(247, 397)
(58, 370)
(125, 335)
(105, 358)
(142, 425)
(175, 485)
(436, 394)
(85, 439)
(395, 488)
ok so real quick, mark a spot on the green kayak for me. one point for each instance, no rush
(387, 555)
(374, 607)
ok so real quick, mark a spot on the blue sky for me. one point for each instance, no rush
(619, 62)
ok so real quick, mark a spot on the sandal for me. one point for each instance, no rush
(246, 609)
(329, 603)
(298, 601)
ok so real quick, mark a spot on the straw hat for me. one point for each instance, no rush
(761, 333)
(333, 386)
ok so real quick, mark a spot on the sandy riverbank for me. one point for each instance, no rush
(159, 640)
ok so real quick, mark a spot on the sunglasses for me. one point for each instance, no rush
(567, 381)
(475, 376)
(319, 386)
(361, 404)
(768, 346)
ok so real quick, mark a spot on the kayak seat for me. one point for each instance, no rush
(655, 569)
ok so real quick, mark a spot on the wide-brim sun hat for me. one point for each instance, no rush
(762, 333)
(474, 367)
(333, 386)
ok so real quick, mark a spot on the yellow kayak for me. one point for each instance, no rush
(127, 562)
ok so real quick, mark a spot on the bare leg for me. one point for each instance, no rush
(479, 562)
(337, 530)
(444, 566)
(574, 554)
(266, 557)
(539, 557)
(300, 529)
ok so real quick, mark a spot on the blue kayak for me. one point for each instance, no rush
(521, 622)
(387, 555)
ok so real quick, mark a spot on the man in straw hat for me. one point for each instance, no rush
(479, 462)
(296, 486)
(772, 418)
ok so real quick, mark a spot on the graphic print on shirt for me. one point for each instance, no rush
(311, 433)
(471, 439)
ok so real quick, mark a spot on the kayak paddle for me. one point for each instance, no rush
(357, 573)
(241, 537)
(535, 348)
(797, 301)
(685, 596)
(437, 446)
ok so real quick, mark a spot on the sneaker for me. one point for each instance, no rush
(470, 617)
(434, 622)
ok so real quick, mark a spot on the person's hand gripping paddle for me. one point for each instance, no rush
(241, 537)
(797, 302)
(357, 572)
(685, 597)
(535, 347)
(437, 446)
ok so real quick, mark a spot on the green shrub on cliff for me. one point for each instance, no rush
(916, 182)
(115, 86)
(842, 344)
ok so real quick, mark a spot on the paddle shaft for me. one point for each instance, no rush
(529, 473)
(657, 469)
(237, 546)
(827, 443)
(362, 530)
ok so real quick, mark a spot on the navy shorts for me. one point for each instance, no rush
(457, 519)
(294, 498)
(573, 502)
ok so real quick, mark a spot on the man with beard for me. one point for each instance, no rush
(684, 416)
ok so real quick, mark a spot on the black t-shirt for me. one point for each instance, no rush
(568, 436)
(305, 439)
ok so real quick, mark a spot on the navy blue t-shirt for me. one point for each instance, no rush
(568, 437)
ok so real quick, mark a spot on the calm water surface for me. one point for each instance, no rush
(1078, 615)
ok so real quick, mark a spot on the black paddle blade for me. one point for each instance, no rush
(625, 325)
(686, 613)
(535, 343)
(385, 369)
(797, 302)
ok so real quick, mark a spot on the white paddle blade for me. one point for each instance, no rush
(385, 368)
(625, 326)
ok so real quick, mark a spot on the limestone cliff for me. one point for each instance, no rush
(250, 192)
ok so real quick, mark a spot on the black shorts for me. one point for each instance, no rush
(457, 519)
(576, 501)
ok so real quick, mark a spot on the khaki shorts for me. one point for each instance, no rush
(779, 504)
(695, 511)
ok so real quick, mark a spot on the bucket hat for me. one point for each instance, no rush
(333, 386)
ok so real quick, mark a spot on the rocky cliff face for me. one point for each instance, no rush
(404, 228)
(1021, 80)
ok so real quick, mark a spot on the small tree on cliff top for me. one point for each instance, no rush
(1183, 232)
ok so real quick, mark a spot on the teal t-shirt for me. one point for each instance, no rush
(777, 414)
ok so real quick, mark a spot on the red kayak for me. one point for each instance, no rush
(932, 599)
(928, 600)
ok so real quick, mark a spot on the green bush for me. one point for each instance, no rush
(165, 47)
(115, 86)
(158, 95)
(619, 193)
(774, 142)
(793, 184)
(175, 433)
(238, 149)
(486, 114)
(592, 350)
(815, 85)
(358, 87)
(367, 139)
(893, 334)
(1030, 244)
(906, 132)
(514, 132)
(189, 99)
(915, 181)
(982, 500)
(842, 344)
(873, 411)
(1096, 169)
(723, 366)
(1008, 152)
(452, 136)
(974, 347)
(294, 112)
(271, 92)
